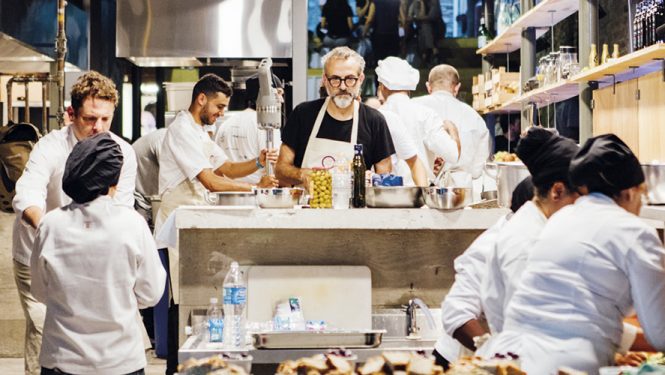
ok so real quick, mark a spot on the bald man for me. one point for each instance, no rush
(443, 85)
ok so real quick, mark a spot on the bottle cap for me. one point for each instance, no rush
(213, 300)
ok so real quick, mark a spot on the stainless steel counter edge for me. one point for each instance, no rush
(214, 217)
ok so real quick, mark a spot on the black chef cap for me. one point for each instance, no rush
(546, 155)
(523, 193)
(92, 167)
(605, 164)
(252, 89)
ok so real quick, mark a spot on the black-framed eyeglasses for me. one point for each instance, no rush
(336, 81)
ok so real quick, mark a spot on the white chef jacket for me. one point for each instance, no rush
(241, 139)
(147, 175)
(474, 135)
(506, 261)
(94, 265)
(183, 155)
(41, 184)
(462, 303)
(593, 263)
(405, 146)
(426, 128)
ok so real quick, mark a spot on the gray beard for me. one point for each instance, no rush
(343, 101)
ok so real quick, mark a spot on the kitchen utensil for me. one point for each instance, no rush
(231, 198)
(509, 174)
(318, 339)
(394, 197)
(446, 198)
(654, 174)
(279, 197)
(339, 295)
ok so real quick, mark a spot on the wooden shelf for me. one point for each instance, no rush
(542, 96)
(547, 13)
(555, 93)
(632, 65)
(509, 107)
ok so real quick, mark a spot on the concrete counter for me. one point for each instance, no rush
(410, 252)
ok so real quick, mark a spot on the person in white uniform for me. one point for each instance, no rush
(443, 85)
(240, 137)
(547, 156)
(91, 279)
(396, 80)
(147, 173)
(332, 126)
(39, 190)
(594, 262)
(190, 165)
(461, 309)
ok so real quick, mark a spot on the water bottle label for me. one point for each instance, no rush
(216, 329)
(235, 296)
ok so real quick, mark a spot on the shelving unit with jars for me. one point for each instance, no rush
(628, 91)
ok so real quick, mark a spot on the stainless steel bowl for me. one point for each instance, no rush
(654, 175)
(231, 198)
(394, 197)
(509, 175)
(279, 197)
(447, 198)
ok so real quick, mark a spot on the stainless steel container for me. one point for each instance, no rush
(509, 175)
(447, 198)
(394, 197)
(654, 174)
(231, 198)
(317, 339)
(279, 197)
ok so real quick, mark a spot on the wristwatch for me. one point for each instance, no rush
(258, 164)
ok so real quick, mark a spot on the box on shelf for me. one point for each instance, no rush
(178, 95)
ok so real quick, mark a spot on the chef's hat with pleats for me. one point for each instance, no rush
(396, 74)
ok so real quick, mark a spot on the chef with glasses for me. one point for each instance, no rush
(331, 126)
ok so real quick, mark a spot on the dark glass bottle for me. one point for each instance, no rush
(484, 35)
(359, 169)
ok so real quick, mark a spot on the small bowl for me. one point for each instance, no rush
(231, 198)
(447, 198)
(279, 197)
(394, 197)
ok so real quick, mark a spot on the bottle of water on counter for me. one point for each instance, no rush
(215, 322)
(235, 300)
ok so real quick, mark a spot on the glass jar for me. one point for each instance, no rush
(568, 62)
(320, 189)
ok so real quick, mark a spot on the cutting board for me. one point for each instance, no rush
(339, 295)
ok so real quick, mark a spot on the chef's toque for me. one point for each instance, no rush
(546, 155)
(92, 167)
(605, 164)
(396, 74)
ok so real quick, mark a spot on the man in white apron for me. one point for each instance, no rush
(190, 164)
(396, 79)
(332, 126)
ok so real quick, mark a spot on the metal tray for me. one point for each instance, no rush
(317, 340)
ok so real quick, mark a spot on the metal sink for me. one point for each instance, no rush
(394, 322)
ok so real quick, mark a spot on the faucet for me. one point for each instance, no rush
(412, 328)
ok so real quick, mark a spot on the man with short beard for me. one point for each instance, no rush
(190, 164)
(331, 126)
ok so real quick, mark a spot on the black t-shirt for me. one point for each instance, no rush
(336, 14)
(373, 131)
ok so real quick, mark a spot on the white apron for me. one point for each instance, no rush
(319, 148)
(186, 193)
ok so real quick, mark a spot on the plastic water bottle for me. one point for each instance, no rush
(215, 322)
(235, 300)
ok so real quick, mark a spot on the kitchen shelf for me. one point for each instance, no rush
(547, 13)
(632, 65)
(555, 93)
(510, 106)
